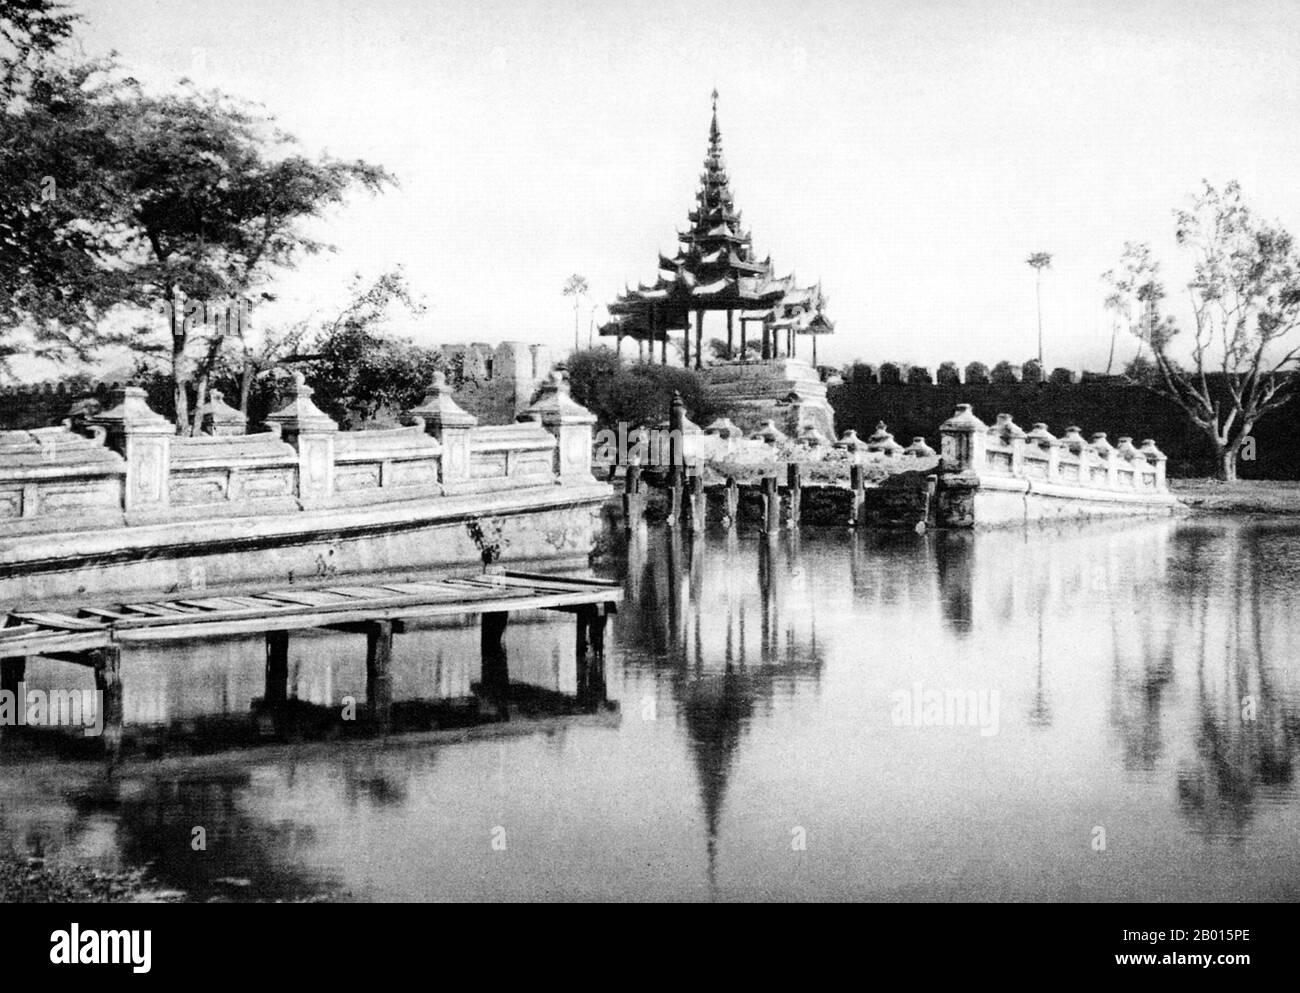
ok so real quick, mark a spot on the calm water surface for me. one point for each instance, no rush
(1137, 685)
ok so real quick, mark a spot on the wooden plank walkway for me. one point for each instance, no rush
(65, 633)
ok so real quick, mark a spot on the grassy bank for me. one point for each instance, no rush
(1247, 496)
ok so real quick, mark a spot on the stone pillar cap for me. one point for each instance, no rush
(1006, 427)
(129, 413)
(556, 406)
(220, 411)
(300, 413)
(1150, 451)
(850, 440)
(963, 420)
(439, 409)
(1041, 435)
(769, 433)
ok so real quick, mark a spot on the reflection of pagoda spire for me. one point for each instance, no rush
(715, 709)
(699, 613)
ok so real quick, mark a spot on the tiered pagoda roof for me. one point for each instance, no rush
(715, 266)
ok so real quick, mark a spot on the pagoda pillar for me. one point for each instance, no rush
(744, 333)
(699, 339)
(686, 345)
(731, 351)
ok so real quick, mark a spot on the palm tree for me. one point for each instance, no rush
(575, 286)
(1040, 261)
(1117, 308)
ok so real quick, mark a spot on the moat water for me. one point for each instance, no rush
(1105, 712)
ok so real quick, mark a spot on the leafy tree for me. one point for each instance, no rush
(1245, 296)
(58, 269)
(639, 396)
(216, 201)
(358, 371)
(31, 31)
(590, 371)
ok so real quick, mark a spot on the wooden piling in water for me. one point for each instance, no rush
(794, 487)
(277, 667)
(107, 665)
(590, 645)
(676, 458)
(633, 499)
(771, 505)
(494, 674)
(857, 483)
(379, 675)
(699, 501)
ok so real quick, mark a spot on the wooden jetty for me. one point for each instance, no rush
(94, 636)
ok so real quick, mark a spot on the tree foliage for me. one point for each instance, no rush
(360, 372)
(1238, 363)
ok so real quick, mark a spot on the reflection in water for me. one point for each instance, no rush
(722, 647)
(1144, 672)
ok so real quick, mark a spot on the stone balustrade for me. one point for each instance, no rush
(128, 465)
(1004, 449)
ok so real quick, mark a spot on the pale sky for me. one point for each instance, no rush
(911, 154)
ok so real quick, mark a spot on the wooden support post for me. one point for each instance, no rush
(686, 347)
(495, 671)
(856, 485)
(107, 664)
(633, 500)
(699, 501)
(744, 334)
(794, 483)
(765, 351)
(379, 676)
(582, 618)
(733, 501)
(676, 457)
(771, 505)
(277, 668)
(590, 647)
(731, 353)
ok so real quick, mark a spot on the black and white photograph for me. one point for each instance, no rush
(583, 452)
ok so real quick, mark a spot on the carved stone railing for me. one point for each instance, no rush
(1005, 450)
(390, 465)
(133, 468)
(57, 474)
(259, 470)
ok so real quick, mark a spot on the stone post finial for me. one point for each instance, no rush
(311, 431)
(143, 438)
(570, 422)
(447, 422)
(962, 440)
(219, 418)
(1156, 458)
(1106, 453)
